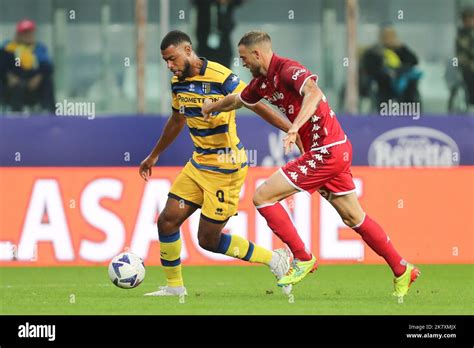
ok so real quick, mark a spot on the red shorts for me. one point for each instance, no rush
(327, 170)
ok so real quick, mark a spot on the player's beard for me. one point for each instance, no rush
(255, 71)
(186, 71)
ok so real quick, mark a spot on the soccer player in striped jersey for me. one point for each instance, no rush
(213, 177)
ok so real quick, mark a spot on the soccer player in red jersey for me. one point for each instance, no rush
(324, 167)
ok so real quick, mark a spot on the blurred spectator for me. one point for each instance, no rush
(390, 63)
(26, 71)
(215, 22)
(465, 50)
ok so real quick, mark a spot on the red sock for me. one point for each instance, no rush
(378, 241)
(280, 223)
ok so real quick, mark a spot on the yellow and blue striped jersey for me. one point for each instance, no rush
(217, 146)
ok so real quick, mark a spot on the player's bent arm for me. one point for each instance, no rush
(275, 119)
(271, 116)
(172, 128)
(228, 103)
(312, 95)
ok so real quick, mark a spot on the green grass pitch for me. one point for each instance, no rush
(333, 289)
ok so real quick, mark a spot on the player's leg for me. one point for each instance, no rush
(171, 218)
(372, 233)
(353, 216)
(211, 238)
(220, 202)
(267, 201)
(169, 222)
(183, 200)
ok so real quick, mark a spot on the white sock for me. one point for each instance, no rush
(275, 259)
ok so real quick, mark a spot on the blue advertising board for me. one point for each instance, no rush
(126, 140)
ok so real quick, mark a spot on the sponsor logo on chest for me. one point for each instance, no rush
(274, 97)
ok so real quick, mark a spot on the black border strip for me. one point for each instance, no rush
(132, 331)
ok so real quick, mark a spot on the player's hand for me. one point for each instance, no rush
(206, 109)
(34, 82)
(146, 165)
(12, 80)
(289, 140)
(299, 143)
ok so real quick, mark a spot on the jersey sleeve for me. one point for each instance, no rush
(174, 102)
(174, 99)
(296, 75)
(249, 95)
(240, 87)
(232, 84)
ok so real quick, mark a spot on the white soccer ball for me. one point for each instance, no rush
(127, 270)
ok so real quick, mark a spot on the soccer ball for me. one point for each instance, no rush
(127, 270)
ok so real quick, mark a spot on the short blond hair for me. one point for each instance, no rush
(254, 37)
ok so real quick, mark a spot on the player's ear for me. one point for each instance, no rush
(256, 54)
(188, 49)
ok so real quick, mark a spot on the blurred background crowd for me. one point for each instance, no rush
(85, 50)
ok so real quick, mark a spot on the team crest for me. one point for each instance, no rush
(206, 87)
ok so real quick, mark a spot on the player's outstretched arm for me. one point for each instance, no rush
(173, 127)
(228, 103)
(271, 116)
(275, 119)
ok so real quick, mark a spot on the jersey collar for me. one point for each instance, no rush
(273, 64)
(204, 66)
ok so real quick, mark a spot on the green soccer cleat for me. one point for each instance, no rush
(402, 283)
(298, 270)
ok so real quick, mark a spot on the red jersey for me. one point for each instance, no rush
(282, 87)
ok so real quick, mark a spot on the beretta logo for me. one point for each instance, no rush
(414, 146)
